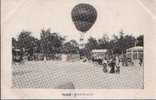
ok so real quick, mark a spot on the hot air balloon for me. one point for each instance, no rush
(83, 16)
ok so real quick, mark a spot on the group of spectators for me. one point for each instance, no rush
(113, 63)
(110, 64)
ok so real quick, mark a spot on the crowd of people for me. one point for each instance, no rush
(113, 63)
(110, 64)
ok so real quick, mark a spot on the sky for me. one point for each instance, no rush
(134, 17)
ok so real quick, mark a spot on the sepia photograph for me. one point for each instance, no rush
(56, 60)
(76, 44)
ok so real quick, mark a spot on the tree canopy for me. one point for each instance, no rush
(52, 43)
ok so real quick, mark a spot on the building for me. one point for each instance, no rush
(135, 53)
(99, 53)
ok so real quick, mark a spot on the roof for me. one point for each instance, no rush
(99, 50)
(136, 48)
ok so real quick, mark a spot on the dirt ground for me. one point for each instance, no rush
(74, 75)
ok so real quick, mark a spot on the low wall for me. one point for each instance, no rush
(61, 57)
(73, 57)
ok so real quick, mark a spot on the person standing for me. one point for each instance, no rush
(112, 65)
(117, 66)
(104, 63)
(140, 61)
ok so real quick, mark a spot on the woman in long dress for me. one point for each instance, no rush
(112, 65)
(104, 63)
(117, 66)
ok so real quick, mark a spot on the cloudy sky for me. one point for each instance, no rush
(133, 16)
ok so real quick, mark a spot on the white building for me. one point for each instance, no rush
(99, 53)
(135, 52)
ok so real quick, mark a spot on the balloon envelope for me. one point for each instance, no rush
(84, 16)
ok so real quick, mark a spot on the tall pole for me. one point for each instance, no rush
(81, 44)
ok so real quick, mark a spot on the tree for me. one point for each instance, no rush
(26, 42)
(92, 43)
(51, 42)
(14, 43)
(43, 41)
(121, 43)
(140, 40)
(103, 43)
(71, 47)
